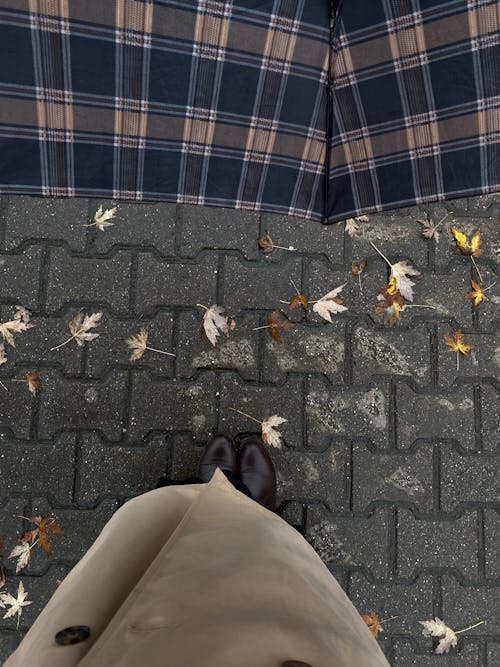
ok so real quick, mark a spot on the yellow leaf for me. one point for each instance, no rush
(456, 343)
(473, 248)
(477, 293)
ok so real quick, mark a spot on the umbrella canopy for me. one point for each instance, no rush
(304, 107)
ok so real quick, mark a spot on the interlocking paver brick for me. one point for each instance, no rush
(391, 352)
(405, 656)
(468, 478)
(41, 468)
(40, 590)
(16, 408)
(490, 409)
(313, 477)
(449, 414)
(493, 655)
(218, 228)
(323, 279)
(395, 477)
(81, 527)
(258, 286)
(466, 605)
(491, 541)
(167, 283)
(117, 470)
(483, 360)
(109, 350)
(304, 236)
(88, 281)
(334, 412)
(19, 277)
(171, 405)
(437, 543)
(238, 351)
(261, 401)
(41, 218)
(8, 642)
(11, 526)
(140, 225)
(350, 542)
(185, 456)
(306, 349)
(408, 602)
(82, 404)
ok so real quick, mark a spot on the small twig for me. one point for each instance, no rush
(442, 220)
(417, 305)
(359, 278)
(457, 632)
(477, 268)
(245, 415)
(458, 360)
(490, 286)
(280, 247)
(2, 384)
(65, 342)
(381, 254)
(266, 326)
(388, 619)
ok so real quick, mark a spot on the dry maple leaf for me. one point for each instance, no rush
(16, 604)
(299, 300)
(456, 344)
(79, 327)
(357, 270)
(448, 637)
(352, 226)
(271, 436)
(267, 245)
(102, 218)
(330, 304)
(429, 229)
(214, 322)
(472, 248)
(400, 272)
(3, 358)
(23, 553)
(392, 302)
(276, 326)
(34, 384)
(138, 343)
(477, 294)
(19, 324)
(46, 526)
(371, 621)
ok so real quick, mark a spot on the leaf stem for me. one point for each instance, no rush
(295, 287)
(381, 254)
(280, 247)
(200, 305)
(287, 302)
(2, 384)
(266, 326)
(417, 305)
(490, 286)
(153, 349)
(359, 279)
(385, 620)
(442, 220)
(458, 360)
(477, 268)
(65, 343)
(246, 415)
(457, 632)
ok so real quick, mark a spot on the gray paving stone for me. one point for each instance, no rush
(446, 294)
(434, 543)
(44, 218)
(261, 402)
(205, 227)
(408, 602)
(391, 352)
(171, 405)
(185, 456)
(351, 542)
(138, 224)
(493, 655)
(8, 642)
(166, 283)
(258, 286)
(468, 655)
(466, 605)
(19, 276)
(109, 350)
(483, 360)
(119, 470)
(335, 413)
(12, 527)
(40, 468)
(306, 349)
(304, 235)
(394, 477)
(16, 408)
(82, 404)
(468, 478)
(313, 477)
(81, 528)
(40, 590)
(490, 409)
(88, 281)
(238, 351)
(491, 542)
(448, 415)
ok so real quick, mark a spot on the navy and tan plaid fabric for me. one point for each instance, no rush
(244, 104)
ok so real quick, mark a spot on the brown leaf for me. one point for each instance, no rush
(392, 302)
(477, 293)
(299, 300)
(429, 231)
(456, 343)
(277, 326)
(34, 384)
(137, 344)
(371, 621)
(265, 243)
(46, 526)
(358, 269)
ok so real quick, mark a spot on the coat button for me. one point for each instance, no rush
(73, 635)
(295, 663)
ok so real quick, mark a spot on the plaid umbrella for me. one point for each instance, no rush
(305, 107)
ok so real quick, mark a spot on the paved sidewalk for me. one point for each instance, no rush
(390, 466)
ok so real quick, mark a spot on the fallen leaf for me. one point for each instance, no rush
(299, 300)
(477, 294)
(8, 329)
(215, 323)
(352, 226)
(400, 272)
(357, 269)
(16, 604)
(34, 384)
(46, 527)
(371, 621)
(456, 343)
(22, 314)
(437, 628)
(265, 243)
(23, 553)
(277, 326)
(429, 231)
(3, 358)
(330, 304)
(270, 436)
(102, 218)
(137, 343)
(392, 302)
(472, 248)
(79, 327)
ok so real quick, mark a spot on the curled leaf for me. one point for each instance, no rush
(466, 247)
(477, 293)
(437, 628)
(215, 322)
(265, 243)
(299, 300)
(392, 302)
(278, 326)
(371, 621)
(34, 383)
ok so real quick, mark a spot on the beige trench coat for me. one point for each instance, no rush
(200, 576)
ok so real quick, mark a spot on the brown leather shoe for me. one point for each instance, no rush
(219, 453)
(257, 473)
